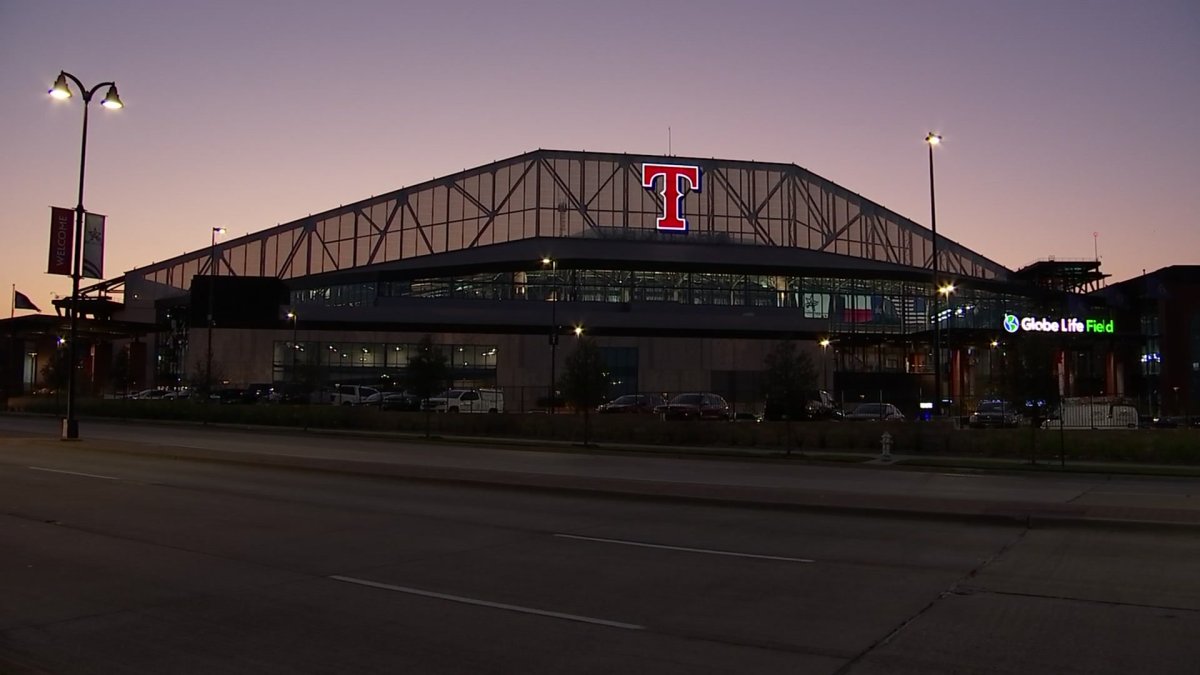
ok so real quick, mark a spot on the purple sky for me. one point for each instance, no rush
(1061, 118)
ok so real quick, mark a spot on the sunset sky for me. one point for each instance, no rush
(1061, 118)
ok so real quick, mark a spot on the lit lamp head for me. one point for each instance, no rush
(995, 343)
(578, 331)
(61, 90)
(933, 139)
(112, 100)
(824, 342)
(946, 290)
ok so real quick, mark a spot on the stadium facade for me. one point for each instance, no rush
(687, 271)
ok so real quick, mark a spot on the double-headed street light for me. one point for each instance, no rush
(932, 140)
(62, 91)
(212, 290)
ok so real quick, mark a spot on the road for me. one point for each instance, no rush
(128, 563)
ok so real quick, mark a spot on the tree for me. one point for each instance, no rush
(787, 375)
(57, 369)
(584, 383)
(427, 373)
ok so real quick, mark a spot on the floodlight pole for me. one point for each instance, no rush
(931, 140)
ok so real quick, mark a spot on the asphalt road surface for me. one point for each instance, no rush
(118, 563)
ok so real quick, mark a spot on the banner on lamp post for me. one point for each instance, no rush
(93, 246)
(61, 241)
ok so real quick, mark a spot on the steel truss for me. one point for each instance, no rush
(548, 193)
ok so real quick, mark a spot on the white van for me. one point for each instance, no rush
(467, 401)
(351, 394)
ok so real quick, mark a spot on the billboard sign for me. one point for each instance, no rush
(1032, 324)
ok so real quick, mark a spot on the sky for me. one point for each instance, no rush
(1062, 119)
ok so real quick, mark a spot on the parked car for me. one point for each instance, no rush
(875, 412)
(1000, 414)
(466, 401)
(231, 395)
(394, 400)
(631, 403)
(815, 404)
(291, 393)
(351, 394)
(149, 394)
(695, 406)
(260, 392)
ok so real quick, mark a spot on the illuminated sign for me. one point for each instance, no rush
(1031, 324)
(674, 176)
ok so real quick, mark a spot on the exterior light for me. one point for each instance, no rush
(291, 315)
(546, 261)
(111, 100)
(578, 331)
(61, 90)
(995, 344)
(933, 139)
(824, 342)
(947, 289)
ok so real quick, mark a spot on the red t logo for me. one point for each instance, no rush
(672, 192)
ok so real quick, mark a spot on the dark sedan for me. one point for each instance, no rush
(631, 403)
(995, 414)
(394, 400)
(702, 406)
(875, 412)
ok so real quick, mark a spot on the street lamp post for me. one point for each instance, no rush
(62, 91)
(943, 291)
(296, 347)
(553, 327)
(212, 290)
(991, 373)
(825, 363)
(932, 140)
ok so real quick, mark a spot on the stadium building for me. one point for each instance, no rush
(687, 272)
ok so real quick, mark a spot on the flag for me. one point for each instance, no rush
(22, 301)
(61, 241)
(93, 246)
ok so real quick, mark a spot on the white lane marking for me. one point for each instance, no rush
(485, 603)
(686, 549)
(74, 473)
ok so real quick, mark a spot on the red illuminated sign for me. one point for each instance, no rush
(674, 176)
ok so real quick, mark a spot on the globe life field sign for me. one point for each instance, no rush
(1032, 324)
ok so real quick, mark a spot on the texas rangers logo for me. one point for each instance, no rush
(674, 176)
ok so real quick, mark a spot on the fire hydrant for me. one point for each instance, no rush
(885, 446)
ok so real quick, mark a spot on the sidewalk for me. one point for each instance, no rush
(755, 479)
